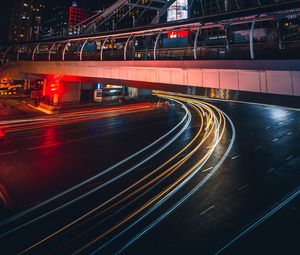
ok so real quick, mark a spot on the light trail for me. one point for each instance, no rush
(160, 177)
(187, 118)
(165, 181)
(155, 202)
(69, 118)
(196, 167)
(179, 203)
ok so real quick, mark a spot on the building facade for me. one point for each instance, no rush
(212, 7)
(60, 16)
(26, 20)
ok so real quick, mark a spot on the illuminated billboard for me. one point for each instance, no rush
(178, 34)
(178, 10)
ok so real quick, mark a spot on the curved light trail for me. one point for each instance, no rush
(164, 181)
(185, 120)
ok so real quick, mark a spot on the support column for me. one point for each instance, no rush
(82, 47)
(64, 51)
(5, 53)
(279, 34)
(252, 38)
(195, 43)
(155, 45)
(34, 51)
(57, 92)
(50, 51)
(18, 54)
(102, 48)
(126, 46)
(227, 37)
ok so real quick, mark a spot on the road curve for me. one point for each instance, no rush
(136, 202)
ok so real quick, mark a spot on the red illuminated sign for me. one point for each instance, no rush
(6, 80)
(77, 15)
(53, 87)
(178, 34)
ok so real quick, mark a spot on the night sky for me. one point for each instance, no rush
(5, 13)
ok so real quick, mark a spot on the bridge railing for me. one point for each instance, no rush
(287, 50)
(267, 36)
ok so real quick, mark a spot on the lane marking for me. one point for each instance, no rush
(44, 146)
(8, 153)
(235, 157)
(270, 170)
(207, 169)
(275, 140)
(257, 147)
(267, 128)
(207, 210)
(81, 139)
(289, 158)
(280, 123)
(261, 220)
(289, 133)
(243, 187)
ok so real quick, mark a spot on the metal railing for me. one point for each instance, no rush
(156, 44)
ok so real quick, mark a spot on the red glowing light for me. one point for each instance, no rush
(178, 34)
(54, 86)
(2, 133)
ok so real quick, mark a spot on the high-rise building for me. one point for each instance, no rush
(134, 13)
(60, 16)
(211, 7)
(26, 20)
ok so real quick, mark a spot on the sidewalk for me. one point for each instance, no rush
(16, 107)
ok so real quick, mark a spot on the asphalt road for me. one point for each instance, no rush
(261, 170)
(189, 192)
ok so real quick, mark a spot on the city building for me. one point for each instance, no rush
(26, 20)
(211, 7)
(60, 17)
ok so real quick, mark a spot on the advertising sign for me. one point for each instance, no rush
(178, 10)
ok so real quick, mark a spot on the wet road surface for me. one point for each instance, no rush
(233, 188)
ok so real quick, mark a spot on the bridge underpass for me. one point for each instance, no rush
(220, 56)
(224, 78)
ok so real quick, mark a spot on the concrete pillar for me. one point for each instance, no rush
(144, 92)
(61, 92)
(69, 92)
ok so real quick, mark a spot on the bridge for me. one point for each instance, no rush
(243, 50)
